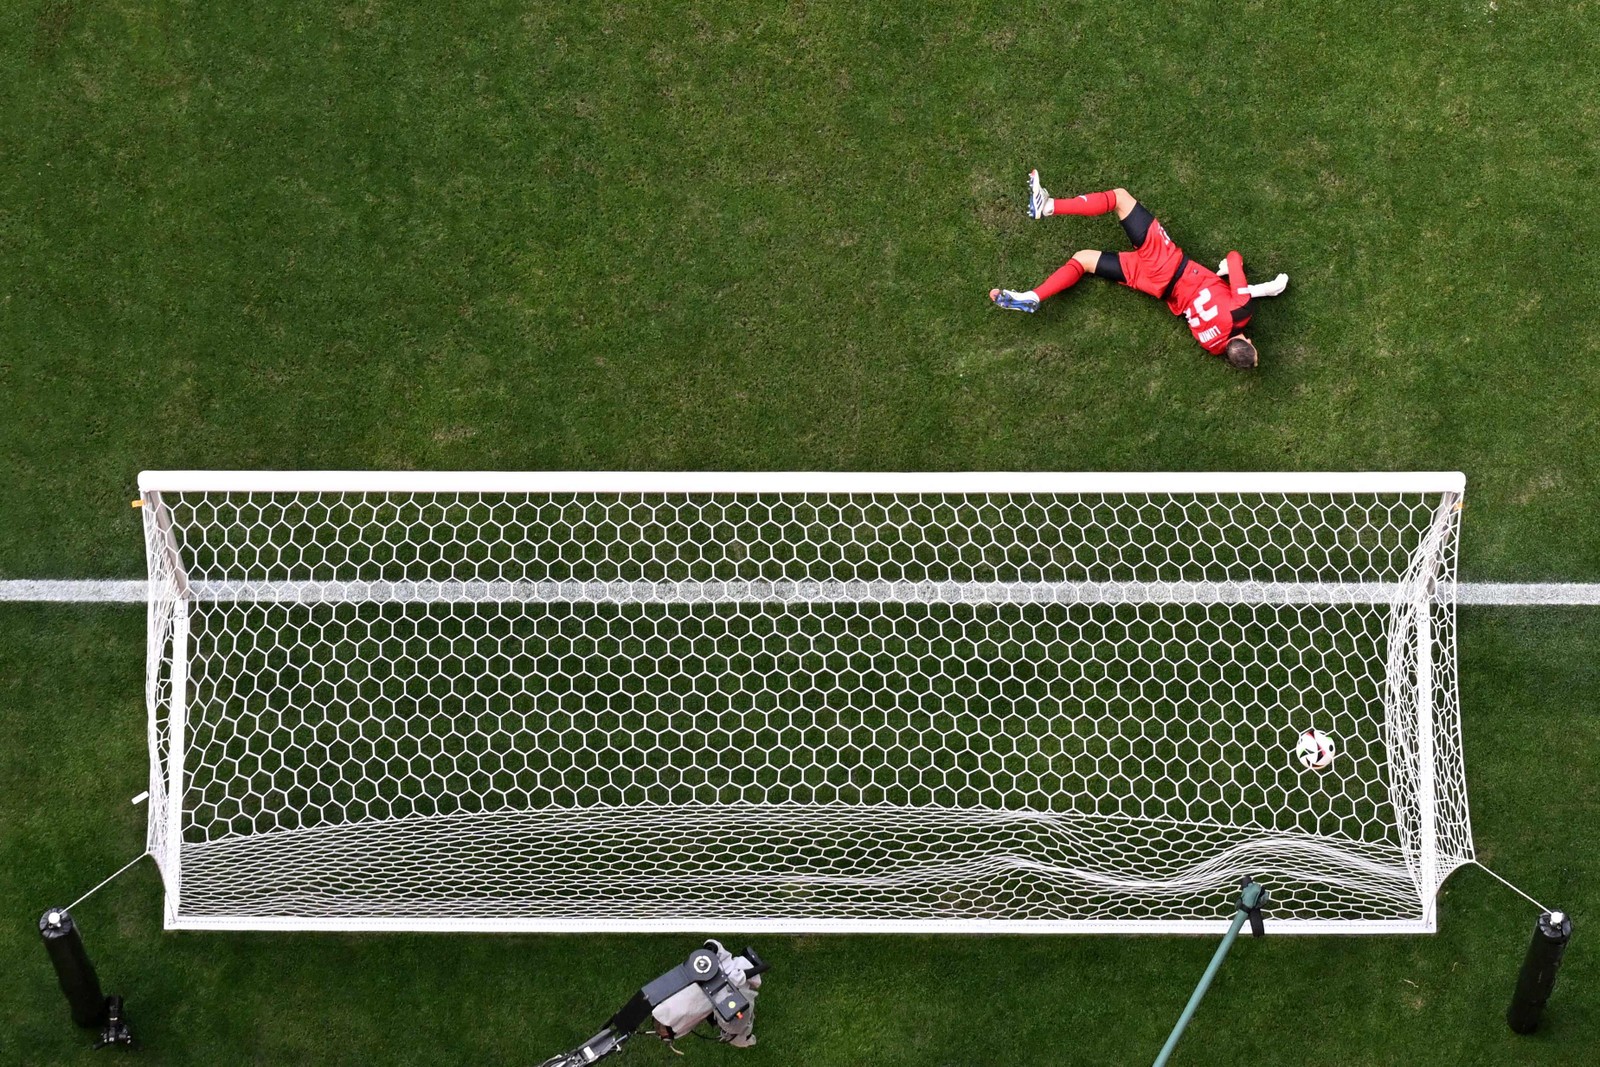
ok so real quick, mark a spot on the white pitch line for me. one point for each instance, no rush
(1495, 594)
(1536, 594)
(90, 591)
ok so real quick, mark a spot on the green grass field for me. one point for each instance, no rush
(752, 236)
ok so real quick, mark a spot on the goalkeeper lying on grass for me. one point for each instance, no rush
(1218, 311)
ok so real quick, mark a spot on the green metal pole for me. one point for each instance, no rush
(1248, 899)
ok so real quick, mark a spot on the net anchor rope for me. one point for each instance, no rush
(121, 871)
(1480, 864)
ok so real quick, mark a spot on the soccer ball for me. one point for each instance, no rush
(1314, 750)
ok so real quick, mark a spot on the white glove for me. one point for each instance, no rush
(1273, 288)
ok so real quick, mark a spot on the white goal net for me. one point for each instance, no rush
(801, 702)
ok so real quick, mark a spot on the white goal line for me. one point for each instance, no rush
(839, 592)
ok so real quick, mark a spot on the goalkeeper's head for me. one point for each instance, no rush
(1242, 353)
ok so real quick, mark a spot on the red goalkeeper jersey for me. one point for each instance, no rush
(1216, 308)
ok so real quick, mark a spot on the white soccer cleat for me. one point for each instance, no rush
(1013, 301)
(1038, 197)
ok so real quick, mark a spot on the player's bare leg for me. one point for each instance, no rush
(1064, 278)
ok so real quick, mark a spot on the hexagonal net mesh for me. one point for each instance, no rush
(801, 702)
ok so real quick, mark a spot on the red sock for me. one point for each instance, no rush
(1065, 278)
(1087, 204)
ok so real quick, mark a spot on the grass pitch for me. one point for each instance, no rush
(740, 236)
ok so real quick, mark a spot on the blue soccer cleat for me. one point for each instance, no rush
(1014, 301)
(1038, 197)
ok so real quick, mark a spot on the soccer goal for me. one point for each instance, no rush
(801, 702)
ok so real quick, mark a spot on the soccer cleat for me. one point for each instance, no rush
(1038, 197)
(1014, 301)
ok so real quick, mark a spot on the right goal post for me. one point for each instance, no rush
(801, 701)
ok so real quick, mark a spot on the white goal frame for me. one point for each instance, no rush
(1414, 744)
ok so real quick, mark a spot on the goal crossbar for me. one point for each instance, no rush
(982, 483)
